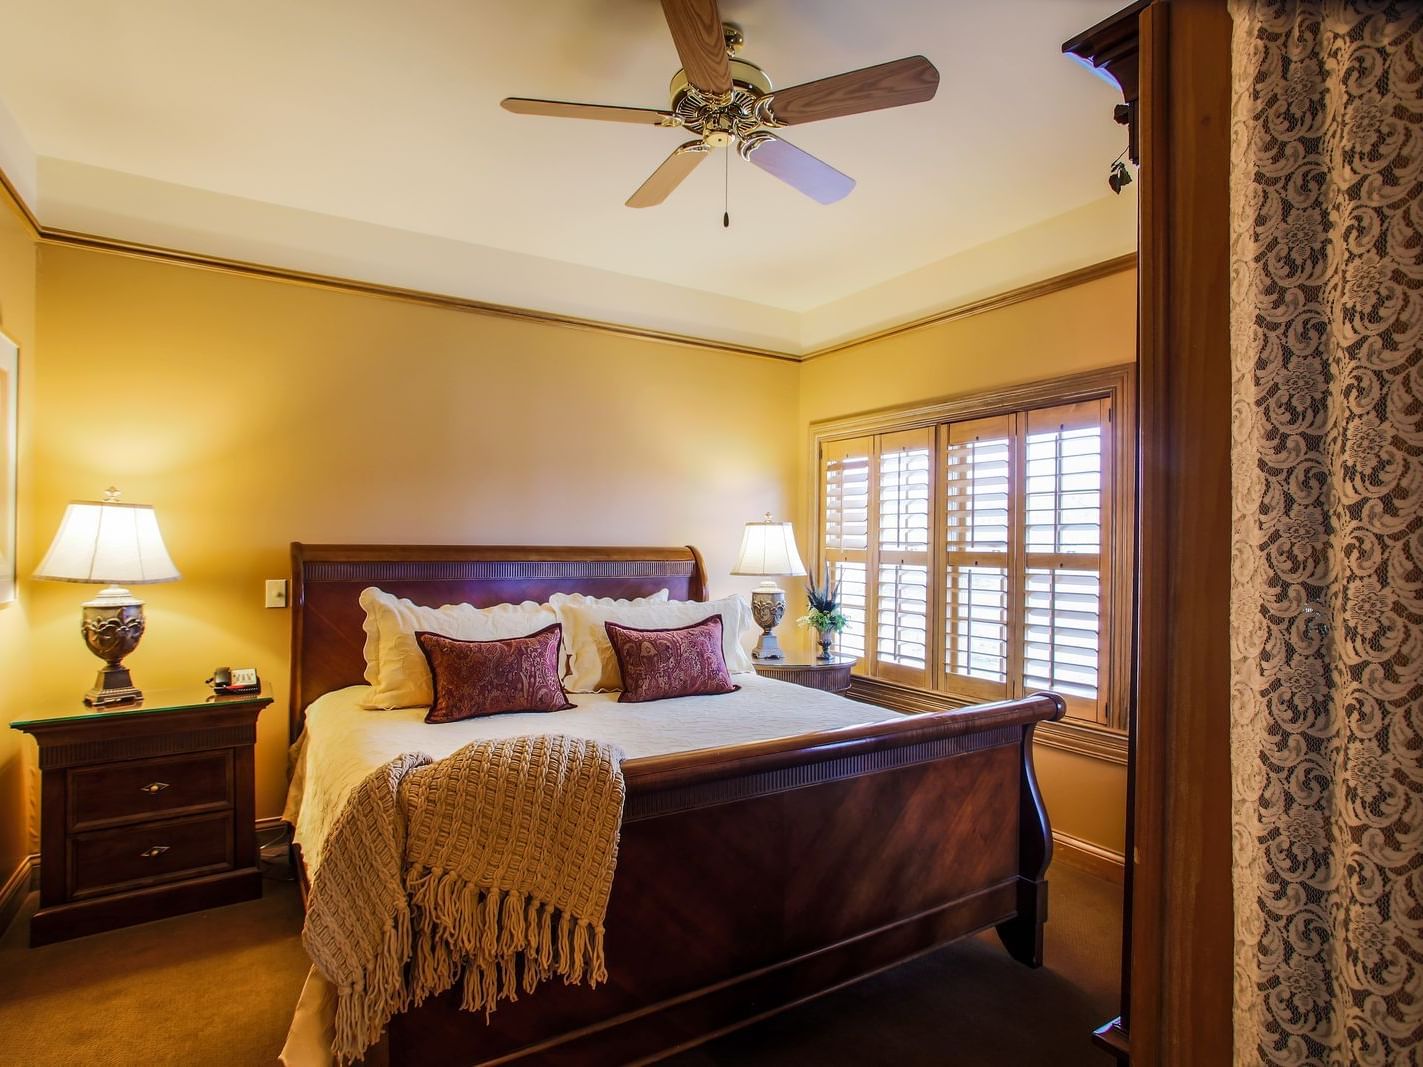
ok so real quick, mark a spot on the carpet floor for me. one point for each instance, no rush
(218, 987)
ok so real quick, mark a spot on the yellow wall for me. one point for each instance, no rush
(1086, 327)
(17, 320)
(254, 413)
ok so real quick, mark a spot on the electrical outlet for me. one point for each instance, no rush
(276, 592)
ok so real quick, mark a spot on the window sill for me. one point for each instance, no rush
(1069, 735)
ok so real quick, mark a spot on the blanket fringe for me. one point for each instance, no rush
(363, 1008)
(499, 940)
(489, 869)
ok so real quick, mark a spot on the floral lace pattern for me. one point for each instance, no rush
(1327, 583)
(474, 678)
(660, 664)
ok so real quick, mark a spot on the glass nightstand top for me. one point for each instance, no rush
(154, 702)
(803, 661)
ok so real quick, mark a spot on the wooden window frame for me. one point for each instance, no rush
(1117, 384)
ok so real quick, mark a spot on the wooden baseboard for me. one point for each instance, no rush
(1083, 855)
(21, 882)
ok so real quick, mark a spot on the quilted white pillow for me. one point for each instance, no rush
(395, 666)
(555, 600)
(592, 666)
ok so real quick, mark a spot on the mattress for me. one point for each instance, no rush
(343, 742)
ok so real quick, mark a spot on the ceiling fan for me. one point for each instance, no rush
(726, 100)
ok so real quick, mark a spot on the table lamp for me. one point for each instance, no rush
(112, 544)
(768, 548)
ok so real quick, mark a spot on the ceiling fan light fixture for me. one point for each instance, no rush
(730, 102)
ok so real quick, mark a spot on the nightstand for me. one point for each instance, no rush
(146, 811)
(833, 675)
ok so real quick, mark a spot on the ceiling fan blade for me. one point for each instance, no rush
(902, 81)
(816, 179)
(669, 175)
(559, 109)
(701, 43)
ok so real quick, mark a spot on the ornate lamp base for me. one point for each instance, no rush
(768, 608)
(112, 626)
(112, 685)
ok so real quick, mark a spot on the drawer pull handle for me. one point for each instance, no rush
(154, 851)
(153, 788)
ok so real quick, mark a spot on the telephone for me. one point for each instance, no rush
(235, 680)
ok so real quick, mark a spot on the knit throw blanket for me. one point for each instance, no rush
(491, 868)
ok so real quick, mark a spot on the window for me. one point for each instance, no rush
(980, 553)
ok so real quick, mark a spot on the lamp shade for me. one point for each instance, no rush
(108, 543)
(768, 548)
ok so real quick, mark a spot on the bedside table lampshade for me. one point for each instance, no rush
(768, 549)
(112, 544)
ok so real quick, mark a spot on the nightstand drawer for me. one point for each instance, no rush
(149, 788)
(130, 856)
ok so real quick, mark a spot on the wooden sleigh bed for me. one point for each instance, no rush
(750, 877)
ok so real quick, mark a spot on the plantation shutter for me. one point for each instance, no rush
(1066, 554)
(978, 512)
(845, 492)
(904, 483)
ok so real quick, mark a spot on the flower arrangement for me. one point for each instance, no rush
(824, 614)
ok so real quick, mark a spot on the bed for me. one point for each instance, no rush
(751, 876)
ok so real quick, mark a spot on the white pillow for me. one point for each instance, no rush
(555, 600)
(592, 666)
(395, 666)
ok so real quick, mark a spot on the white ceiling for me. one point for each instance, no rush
(387, 115)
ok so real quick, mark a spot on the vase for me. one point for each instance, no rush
(827, 638)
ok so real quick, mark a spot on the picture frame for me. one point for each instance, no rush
(9, 465)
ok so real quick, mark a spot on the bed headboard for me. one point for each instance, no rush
(327, 634)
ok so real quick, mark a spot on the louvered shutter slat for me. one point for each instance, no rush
(1064, 539)
(845, 483)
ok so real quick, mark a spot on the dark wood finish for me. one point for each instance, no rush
(701, 43)
(1182, 913)
(132, 856)
(1172, 61)
(1113, 44)
(145, 812)
(137, 790)
(752, 877)
(1112, 1038)
(901, 81)
(327, 639)
(1022, 935)
(832, 676)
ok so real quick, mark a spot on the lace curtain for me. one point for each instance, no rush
(1327, 595)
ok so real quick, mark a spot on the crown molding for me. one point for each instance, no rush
(1032, 291)
(115, 246)
(18, 205)
(203, 261)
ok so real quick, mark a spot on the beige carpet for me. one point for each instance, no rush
(217, 988)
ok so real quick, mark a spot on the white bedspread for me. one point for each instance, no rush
(344, 742)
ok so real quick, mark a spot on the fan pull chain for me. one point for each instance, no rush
(726, 192)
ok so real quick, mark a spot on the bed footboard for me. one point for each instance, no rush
(753, 877)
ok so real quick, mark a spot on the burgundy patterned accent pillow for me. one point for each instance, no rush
(474, 678)
(658, 664)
